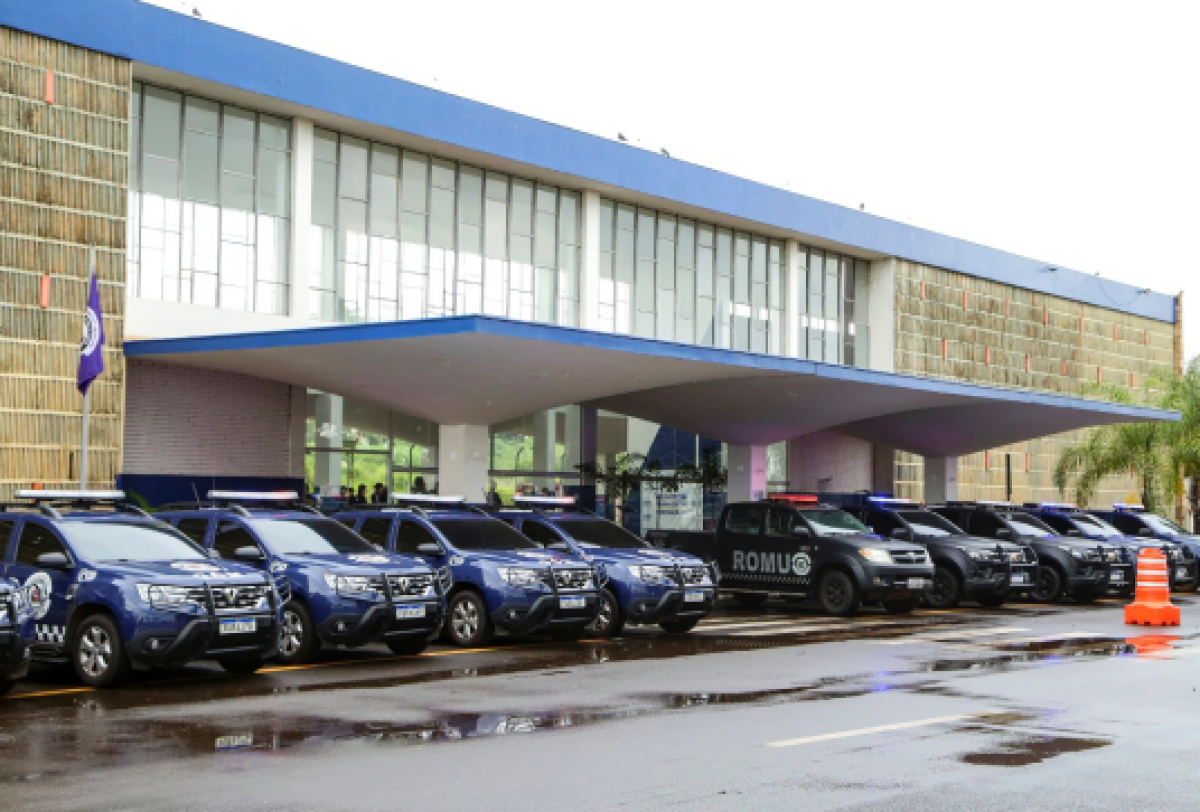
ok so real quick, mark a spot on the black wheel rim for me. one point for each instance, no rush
(942, 589)
(837, 595)
(1047, 582)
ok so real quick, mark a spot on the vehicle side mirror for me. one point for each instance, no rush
(901, 533)
(801, 532)
(212, 554)
(559, 546)
(429, 548)
(248, 553)
(54, 561)
(1145, 531)
(1004, 533)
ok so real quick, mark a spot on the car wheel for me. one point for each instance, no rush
(408, 645)
(838, 594)
(1048, 587)
(298, 642)
(991, 601)
(241, 665)
(750, 600)
(468, 623)
(98, 653)
(680, 626)
(610, 620)
(946, 592)
(902, 606)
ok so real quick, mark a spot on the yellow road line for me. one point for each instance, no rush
(49, 693)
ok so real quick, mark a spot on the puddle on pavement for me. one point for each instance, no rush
(1026, 749)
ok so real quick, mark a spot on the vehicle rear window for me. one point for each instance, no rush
(834, 523)
(482, 534)
(129, 541)
(599, 533)
(925, 523)
(318, 537)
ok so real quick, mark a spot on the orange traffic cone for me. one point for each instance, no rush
(1152, 602)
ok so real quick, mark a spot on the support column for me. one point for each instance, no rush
(941, 480)
(589, 273)
(301, 218)
(793, 307)
(545, 436)
(589, 441)
(747, 472)
(328, 470)
(463, 461)
(297, 424)
(883, 469)
(881, 316)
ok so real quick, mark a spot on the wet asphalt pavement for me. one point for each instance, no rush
(1021, 707)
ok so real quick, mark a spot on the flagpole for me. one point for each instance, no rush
(87, 395)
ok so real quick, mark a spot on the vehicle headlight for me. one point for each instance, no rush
(978, 555)
(649, 573)
(878, 556)
(354, 586)
(163, 597)
(520, 576)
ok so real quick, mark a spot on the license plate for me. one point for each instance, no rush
(238, 626)
(1181, 574)
(917, 583)
(1020, 578)
(572, 602)
(410, 610)
(693, 597)
(1117, 576)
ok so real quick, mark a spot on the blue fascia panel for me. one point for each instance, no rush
(571, 336)
(165, 39)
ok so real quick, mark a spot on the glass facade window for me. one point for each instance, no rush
(209, 203)
(536, 454)
(398, 234)
(831, 328)
(674, 278)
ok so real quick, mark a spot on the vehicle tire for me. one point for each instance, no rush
(7, 685)
(838, 594)
(680, 626)
(610, 619)
(467, 621)
(569, 634)
(1048, 588)
(991, 601)
(298, 641)
(98, 653)
(750, 600)
(408, 646)
(902, 606)
(241, 665)
(947, 589)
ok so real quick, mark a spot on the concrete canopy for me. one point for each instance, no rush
(480, 370)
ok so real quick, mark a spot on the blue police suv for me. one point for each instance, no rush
(14, 647)
(112, 589)
(1135, 520)
(646, 585)
(502, 581)
(338, 589)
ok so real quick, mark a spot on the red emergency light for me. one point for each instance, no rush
(794, 498)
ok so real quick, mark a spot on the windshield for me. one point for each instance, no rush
(1160, 525)
(1026, 525)
(483, 534)
(599, 533)
(320, 537)
(129, 541)
(834, 523)
(1091, 526)
(925, 523)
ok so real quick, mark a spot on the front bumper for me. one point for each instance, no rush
(380, 623)
(1001, 579)
(545, 611)
(671, 604)
(1095, 577)
(1183, 573)
(201, 639)
(14, 655)
(882, 581)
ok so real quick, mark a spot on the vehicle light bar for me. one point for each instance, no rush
(256, 496)
(890, 500)
(75, 496)
(434, 498)
(1058, 506)
(544, 500)
(796, 498)
(1127, 506)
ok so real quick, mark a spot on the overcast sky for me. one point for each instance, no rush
(1064, 131)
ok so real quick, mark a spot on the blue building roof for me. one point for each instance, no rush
(193, 47)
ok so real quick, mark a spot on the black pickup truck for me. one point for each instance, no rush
(792, 545)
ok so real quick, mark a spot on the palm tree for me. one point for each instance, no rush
(1182, 393)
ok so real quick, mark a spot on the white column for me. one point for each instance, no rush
(297, 421)
(589, 273)
(747, 472)
(328, 471)
(792, 305)
(883, 469)
(881, 316)
(545, 437)
(301, 213)
(463, 461)
(941, 480)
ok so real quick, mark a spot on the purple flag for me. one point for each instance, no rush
(91, 350)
